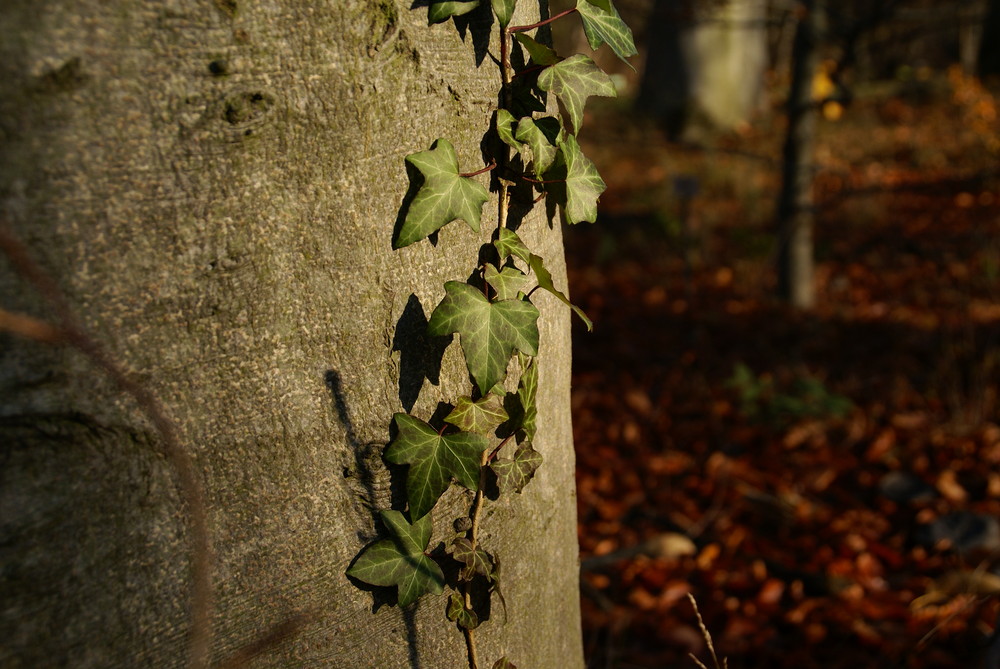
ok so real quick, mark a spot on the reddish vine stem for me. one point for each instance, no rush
(489, 167)
(72, 333)
(521, 29)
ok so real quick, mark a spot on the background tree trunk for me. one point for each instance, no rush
(989, 45)
(705, 67)
(214, 187)
(795, 201)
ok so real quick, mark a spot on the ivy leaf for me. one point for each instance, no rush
(443, 197)
(495, 586)
(527, 389)
(573, 81)
(541, 135)
(507, 282)
(583, 184)
(476, 560)
(401, 561)
(434, 459)
(508, 243)
(491, 331)
(540, 54)
(442, 11)
(504, 663)
(504, 9)
(545, 281)
(517, 472)
(480, 417)
(505, 129)
(602, 24)
(457, 612)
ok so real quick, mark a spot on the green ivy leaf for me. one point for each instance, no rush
(527, 389)
(495, 586)
(540, 54)
(481, 417)
(583, 184)
(545, 281)
(491, 331)
(602, 24)
(457, 612)
(401, 561)
(434, 459)
(505, 129)
(508, 243)
(442, 11)
(504, 663)
(506, 282)
(573, 81)
(444, 196)
(541, 135)
(517, 472)
(504, 9)
(476, 560)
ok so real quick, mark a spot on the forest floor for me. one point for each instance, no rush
(826, 484)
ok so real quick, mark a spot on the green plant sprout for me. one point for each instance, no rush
(491, 429)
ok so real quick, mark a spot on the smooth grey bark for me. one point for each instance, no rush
(795, 214)
(705, 66)
(214, 187)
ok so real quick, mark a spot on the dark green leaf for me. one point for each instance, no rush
(504, 9)
(515, 473)
(442, 11)
(491, 331)
(545, 282)
(508, 243)
(573, 81)
(527, 389)
(480, 417)
(476, 560)
(457, 612)
(495, 586)
(540, 54)
(583, 184)
(603, 25)
(401, 561)
(443, 197)
(507, 282)
(505, 128)
(542, 136)
(434, 459)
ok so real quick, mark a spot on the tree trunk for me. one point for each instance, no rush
(706, 66)
(795, 202)
(213, 186)
(989, 49)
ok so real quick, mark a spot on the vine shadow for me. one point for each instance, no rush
(478, 23)
(420, 354)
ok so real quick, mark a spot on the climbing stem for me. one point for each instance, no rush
(521, 29)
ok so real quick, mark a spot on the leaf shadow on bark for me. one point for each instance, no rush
(478, 23)
(362, 473)
(420, 354)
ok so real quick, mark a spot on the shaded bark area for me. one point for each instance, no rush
(214, 187)
(795, 202)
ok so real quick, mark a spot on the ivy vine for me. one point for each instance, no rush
(491, 430)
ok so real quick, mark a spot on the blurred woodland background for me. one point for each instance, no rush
(788, 407)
